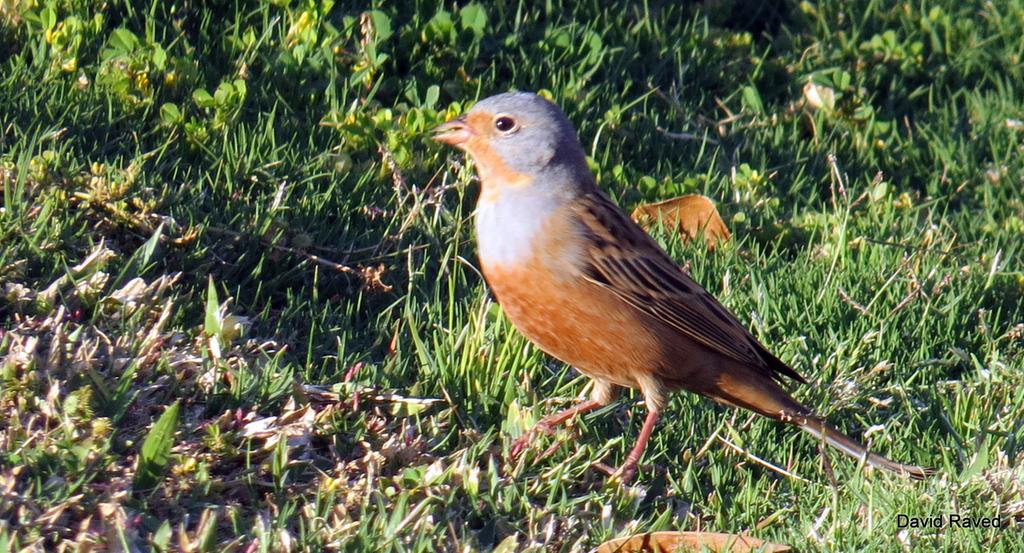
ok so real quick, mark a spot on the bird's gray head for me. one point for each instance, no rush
(520, 130)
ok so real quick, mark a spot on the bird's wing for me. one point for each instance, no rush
(621, 257)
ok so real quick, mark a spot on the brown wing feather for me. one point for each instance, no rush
(625, 260)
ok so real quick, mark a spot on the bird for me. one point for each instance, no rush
(588, 286)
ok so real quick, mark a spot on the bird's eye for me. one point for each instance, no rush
(505, 124)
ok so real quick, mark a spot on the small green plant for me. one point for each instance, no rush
(127, 65)
(888, 48)
(447, 29)
(838, 102)
(217, 111)
(399, 130)
(155, 453)
(65, 37)
(374, 31)
(223, 106)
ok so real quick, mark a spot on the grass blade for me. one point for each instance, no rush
(156, 449)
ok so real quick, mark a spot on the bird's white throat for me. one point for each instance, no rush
(507, 229)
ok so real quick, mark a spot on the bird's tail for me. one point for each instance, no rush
(822, 431)
(741, 388)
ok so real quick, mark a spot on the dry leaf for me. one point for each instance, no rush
(670, 542)
(819, 97)
(690, 214)
(295, 425)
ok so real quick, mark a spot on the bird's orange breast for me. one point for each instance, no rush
(571, 318)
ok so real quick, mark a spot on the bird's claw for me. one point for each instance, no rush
(520, 445)
(624, 474)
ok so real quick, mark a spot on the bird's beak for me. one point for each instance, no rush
(454, 133)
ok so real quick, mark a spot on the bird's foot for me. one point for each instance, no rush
(547, 426)
(624, 474)
(520, 445)
(621, 476)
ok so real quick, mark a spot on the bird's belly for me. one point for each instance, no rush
(577, 322)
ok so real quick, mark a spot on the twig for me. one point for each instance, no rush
(759, 460)
(906, 301)
(396, 174)
(850, 301)
(325, 395)
(238, 236)
(826, 465)
(707, 444)
(837, 177)
(686, 136)
(813, 534)
(914, 248)
(145, 227)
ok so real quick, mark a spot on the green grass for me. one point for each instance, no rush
(305, 253)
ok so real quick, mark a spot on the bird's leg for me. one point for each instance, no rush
(548, 423)
(627, 470)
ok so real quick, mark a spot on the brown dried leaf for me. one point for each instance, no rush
(94, 262)
(18, 294)
(294, 425)
(690, 215)
(670, 542)
(819, 97)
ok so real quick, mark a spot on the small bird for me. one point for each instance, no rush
(586, 285)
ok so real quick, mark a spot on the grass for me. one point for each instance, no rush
(240, 306)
